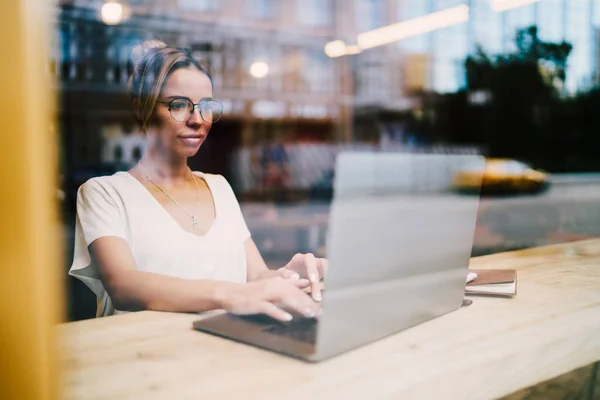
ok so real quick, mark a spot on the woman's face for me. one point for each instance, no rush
(181, 138)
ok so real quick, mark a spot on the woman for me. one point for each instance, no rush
(161, 237)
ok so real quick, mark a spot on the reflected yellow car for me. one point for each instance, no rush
(501, 176)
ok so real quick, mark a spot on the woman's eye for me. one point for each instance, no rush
(178, 105)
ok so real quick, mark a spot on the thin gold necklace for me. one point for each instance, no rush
(193, 217)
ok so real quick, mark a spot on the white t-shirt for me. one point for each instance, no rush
(119, 205)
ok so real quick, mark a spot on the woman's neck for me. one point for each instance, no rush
(165, 170)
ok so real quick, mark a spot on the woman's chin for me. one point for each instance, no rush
(190, 153)
(189, 150)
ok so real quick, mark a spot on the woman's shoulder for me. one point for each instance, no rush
(117, 179)
(105, 185)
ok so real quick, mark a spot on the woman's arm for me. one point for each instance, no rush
(133, 290)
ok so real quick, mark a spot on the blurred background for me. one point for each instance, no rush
(302, 80)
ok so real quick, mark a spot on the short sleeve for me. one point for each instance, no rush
(98, 215)
(98, 212)
(237, 218)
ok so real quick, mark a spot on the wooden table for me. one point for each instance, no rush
(489, 349)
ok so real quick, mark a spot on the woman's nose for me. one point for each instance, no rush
(195, 117)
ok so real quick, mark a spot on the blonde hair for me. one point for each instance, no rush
(153, 62)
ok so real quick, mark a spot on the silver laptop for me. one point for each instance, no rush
(399, 244)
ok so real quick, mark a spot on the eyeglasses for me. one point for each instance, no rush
(182, 109)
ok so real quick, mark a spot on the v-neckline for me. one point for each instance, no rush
(169, 216)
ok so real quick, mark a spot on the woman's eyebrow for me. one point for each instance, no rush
(178, 97)
(187, 98)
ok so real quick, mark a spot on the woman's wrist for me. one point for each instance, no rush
(221, 293)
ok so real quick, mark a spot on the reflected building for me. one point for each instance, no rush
(576, 22)
(303, 96)
(306, 96)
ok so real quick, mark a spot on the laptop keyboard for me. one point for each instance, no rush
(303, 329)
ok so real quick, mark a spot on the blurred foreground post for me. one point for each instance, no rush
(30, 289)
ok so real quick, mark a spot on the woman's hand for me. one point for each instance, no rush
(273, 297)
(307, 266)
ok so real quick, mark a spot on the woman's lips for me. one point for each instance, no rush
(191, 140)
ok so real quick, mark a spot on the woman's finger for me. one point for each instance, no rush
(301, 283)
(288, 274)
(313, 276)
(296, 300)
(323, 265)
(270, 309)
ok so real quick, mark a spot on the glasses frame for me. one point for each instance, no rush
(194, 106)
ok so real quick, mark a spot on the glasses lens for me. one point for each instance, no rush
(211, 111)
(181, 109)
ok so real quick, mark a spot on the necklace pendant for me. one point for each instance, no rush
(194, 222)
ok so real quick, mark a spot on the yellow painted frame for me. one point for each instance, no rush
(30, 267)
